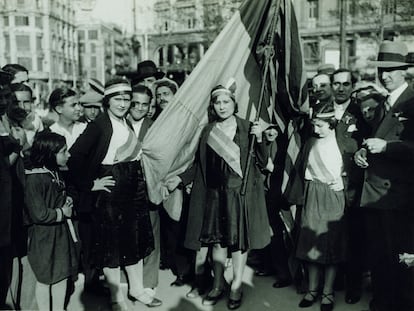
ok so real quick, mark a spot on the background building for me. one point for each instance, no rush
(40, 35)
(182, 30)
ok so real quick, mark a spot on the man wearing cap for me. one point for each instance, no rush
(91, 102)
(387, 194)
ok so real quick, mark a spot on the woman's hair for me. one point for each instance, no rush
(115, 86)
(325, 113)
(213, 97)
(45, 146)
(21, 87)
(58, 97)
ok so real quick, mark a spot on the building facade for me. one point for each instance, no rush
(182, 30)
(103, 51)
(40, 35)
(367, 24)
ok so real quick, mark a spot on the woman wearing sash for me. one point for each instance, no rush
(105, 160)
(322, 234)
(219, 216)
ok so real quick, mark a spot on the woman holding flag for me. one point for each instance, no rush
(220, 216)
(105, 158)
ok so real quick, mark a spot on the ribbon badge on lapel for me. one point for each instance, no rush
(225, 148)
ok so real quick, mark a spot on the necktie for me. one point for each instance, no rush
(387, 104)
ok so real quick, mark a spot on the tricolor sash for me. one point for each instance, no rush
(128, 151)
(225, 148)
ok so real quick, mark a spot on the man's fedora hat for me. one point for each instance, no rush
(145, 69)
(392, 54)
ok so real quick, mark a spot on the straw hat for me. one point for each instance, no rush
(392, 54)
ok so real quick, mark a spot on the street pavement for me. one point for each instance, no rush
(259, 295)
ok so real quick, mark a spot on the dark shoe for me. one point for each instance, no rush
(96, 289)
(181, 280)
(330, 305)
(262, 272)
(306, 303)
(352, 297)
(280, 283)
(144, 298)
(235, 299)
(213, 296)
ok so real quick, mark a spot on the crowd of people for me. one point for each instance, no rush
(74, 196)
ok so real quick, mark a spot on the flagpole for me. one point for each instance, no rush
(269, 52)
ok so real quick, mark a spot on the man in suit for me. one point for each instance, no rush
(387, 194)
(350, 131)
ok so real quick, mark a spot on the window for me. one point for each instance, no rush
(21, 3)
(21, 20)
(93, 74)
(38, 43)
(93, 61)
(191, 23)
(93, 48)
(166, 26)
(40, 64)
(311, 52)
(81, 34)
(25, 62)
(313, 9)
(38, 22)
(7, 43)
(6, 21)
(93, 34)
(23, 43)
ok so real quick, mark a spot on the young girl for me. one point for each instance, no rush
(321, 241)
(51, 249)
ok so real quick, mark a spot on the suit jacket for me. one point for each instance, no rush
(8, 145)
(389, 182)
(350, 132)
(87, 154)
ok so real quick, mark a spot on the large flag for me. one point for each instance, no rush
(259, 29)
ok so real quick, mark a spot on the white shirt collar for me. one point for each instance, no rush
(340, 109)
(393, 96)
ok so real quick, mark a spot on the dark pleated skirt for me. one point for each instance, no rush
(225, 220)
(122, 222)
(322, 234)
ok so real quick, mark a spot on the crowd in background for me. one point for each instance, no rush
(74, 197)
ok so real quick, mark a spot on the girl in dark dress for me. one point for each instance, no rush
(219, 216)
(51, 249)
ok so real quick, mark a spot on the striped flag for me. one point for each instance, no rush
(257, 29)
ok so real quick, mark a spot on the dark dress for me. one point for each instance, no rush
(52, 253)
(122, 223)
(218, 213)
(122, 231)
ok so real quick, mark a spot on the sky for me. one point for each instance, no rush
(120, 12)
(115, 11)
